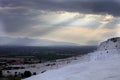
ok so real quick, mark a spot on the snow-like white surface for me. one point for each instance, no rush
(104, 64)
(99, 66)
(41, 67)
(113, 43)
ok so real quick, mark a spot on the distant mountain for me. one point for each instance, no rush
(32, 42)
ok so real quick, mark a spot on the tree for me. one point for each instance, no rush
(27, 74)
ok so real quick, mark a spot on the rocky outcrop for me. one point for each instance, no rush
(113, 43)
(107, 49)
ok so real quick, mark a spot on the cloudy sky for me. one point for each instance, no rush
(84, 22)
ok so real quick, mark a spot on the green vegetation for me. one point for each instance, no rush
(10, 78)
(52, 56)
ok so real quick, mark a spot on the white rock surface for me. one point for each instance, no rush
(100, 65)
(113, 43)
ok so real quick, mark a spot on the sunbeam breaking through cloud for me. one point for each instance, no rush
(60, 20)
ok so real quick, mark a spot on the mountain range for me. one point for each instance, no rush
(10, 41)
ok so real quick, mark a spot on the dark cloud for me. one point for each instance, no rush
(19, 14)
(14, 24)
(85, 6)
(108, 7)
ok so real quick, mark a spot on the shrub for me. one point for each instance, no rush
(34, 73)
(27, 74)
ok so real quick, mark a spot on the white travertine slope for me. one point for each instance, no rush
(103, 64)
(113, 43)
(106, 49)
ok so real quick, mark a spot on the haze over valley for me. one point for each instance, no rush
(69, 39)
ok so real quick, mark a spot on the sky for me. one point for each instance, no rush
(82, 22)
